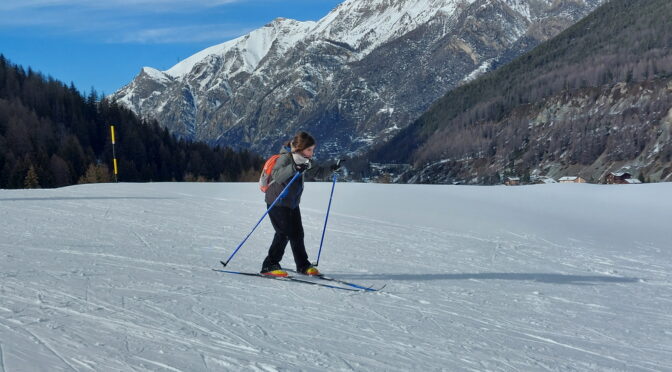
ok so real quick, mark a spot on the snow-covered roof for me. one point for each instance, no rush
(568, 178)
(619, 174)
(633, 180)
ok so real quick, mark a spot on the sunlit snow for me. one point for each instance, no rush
(118, 277)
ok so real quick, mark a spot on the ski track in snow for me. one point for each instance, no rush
(2, 358)
(118, 277)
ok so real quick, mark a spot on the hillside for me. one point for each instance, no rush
(52, 136)
(596, 98)
(118, 277)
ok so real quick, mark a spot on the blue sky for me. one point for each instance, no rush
(103, 44)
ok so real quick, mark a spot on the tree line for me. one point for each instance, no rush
(51, 135)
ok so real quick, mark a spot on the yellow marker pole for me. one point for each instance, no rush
(114, 155)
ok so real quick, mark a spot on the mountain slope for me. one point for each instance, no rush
(592, 100)
(353, 79)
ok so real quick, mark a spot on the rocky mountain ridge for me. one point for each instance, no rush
(587, 133)
(353, 79)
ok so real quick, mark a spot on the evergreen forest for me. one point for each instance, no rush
(51, 135)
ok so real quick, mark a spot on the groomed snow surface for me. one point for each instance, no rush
(117, 277)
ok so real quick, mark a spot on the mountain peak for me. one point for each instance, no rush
(366, 24)
(155, 74)
(245, 52)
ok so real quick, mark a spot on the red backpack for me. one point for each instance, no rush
(265, 179)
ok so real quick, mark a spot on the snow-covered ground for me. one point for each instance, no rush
(118, 277)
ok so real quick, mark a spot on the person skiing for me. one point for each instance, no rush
(285, 216)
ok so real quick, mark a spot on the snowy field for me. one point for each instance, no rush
(118, 277)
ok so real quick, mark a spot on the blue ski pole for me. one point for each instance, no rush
(326, 218)
(282, 195)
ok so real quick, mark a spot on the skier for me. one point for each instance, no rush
(285, 216)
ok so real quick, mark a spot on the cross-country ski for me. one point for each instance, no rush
(322, 282)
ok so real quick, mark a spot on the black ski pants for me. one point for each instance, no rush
(288, 228)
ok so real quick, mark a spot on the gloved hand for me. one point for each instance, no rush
(336, 166)
(303, 167)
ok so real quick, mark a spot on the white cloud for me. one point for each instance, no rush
(182, 34)
(122, 21)
(148, 5)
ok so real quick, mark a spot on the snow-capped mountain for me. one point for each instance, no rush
(353, 79)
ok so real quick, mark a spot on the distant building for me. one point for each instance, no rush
(512, 181)
(572, 179)
(387, 173)
(619, 178)
(543, 180)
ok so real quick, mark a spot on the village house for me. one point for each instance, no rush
(543, 180)
(512, 181)
(572, 179)
(620, 178)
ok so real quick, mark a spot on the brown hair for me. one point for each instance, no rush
(301, 141)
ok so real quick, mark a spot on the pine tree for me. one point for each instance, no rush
(31, 181)
(96, 174)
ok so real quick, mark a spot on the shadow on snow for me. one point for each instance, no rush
(532, 277)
